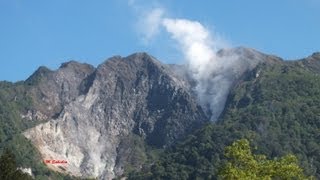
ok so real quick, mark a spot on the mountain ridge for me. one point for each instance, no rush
(116, 80)
(104, 120)
(138, 92)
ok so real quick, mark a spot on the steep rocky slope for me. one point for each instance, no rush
(103, 107)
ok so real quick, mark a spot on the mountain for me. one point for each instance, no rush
(132, 114)
(275, 106)
(93, 114)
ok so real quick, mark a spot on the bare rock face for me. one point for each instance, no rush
(94, 111)
(51, 90)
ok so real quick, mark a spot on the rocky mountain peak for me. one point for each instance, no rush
(249, 54)
(316, 55)
(312, 62)
(105, 107)
(135, 60)
(143, 58)
(241, 51)
(42, 70)
(40, 73)
(75, 65)
(51, 90)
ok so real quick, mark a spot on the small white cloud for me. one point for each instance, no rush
(149, 24)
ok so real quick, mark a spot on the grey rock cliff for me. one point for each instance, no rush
(51, 90)
(92, 112)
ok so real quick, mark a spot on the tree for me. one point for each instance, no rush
(243, 164)
(8, 168)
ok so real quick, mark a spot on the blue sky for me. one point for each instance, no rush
(37, 32)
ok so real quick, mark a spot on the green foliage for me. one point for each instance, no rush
(9, 169)
(136, 153)
(195, 158)
(13, 102)
(243, 164)
(282, 115)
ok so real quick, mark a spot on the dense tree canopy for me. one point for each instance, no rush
(243, 164)
(9, 169)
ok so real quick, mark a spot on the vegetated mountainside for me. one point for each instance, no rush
(276, 106)
(102, 120)
(14, 102)
(116, 118)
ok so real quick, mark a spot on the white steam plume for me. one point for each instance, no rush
(195, 43)
(213, 74)
(199, 49)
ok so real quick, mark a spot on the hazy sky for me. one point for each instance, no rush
(43, 32)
